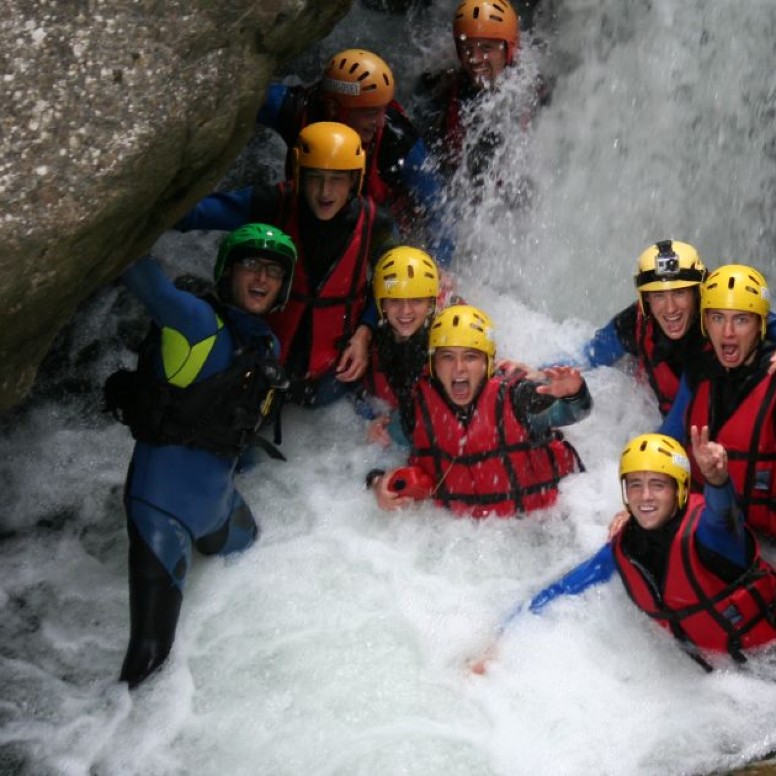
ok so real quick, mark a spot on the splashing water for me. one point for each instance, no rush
(337, 645)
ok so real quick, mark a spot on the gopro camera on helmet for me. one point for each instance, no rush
(667, 266)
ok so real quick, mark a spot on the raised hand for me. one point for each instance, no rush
(711, 457)
(563, 381)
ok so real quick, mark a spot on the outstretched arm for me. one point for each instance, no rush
(564, 399)
(591, 572)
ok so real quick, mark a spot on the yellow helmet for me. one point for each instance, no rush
(667, 265)
(405, 273)
(327, 145)
(657, 453)
(495, 19)
(736, 287)
(463, 326)
(358, 79)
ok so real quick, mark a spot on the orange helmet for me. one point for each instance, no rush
(494, 19)
(358, 79)
(329, 145)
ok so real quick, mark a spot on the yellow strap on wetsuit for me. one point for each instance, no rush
(183, 361)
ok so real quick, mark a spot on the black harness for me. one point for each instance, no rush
(221, 414)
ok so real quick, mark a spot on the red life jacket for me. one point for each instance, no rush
(452, 130)
(490, 465)
(375, 380)
(749, 438)
(338, 302)
(696, 605)
(662, 379)
(374, 185)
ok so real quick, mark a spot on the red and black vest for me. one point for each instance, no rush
(452, 130)
(698, 607)
(662, 379)
(376, 381)
(337, 303)
(750, 440)
(395, 366)
(491, 464)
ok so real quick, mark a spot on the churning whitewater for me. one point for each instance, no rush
(337, 645)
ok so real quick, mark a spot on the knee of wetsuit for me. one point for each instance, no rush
(238, 533)
(157, 539)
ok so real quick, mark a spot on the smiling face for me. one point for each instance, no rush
(327, 191)
(734, 335)
(482, 59)
(651, 498)
(461, 371)
(406, 316)
(674, 310)
(255, 285)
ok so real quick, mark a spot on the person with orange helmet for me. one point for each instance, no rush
(358, 89)
(486, 34)
(326, 328)
(484, 444)
(686, 559)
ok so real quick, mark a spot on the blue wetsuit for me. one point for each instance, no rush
(402, 158)
(179, 496)
(715, 535)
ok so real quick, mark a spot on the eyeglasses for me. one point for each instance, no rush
(273, 270)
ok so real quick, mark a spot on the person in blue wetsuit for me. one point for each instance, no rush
(207, 379)
(733, 388)
(685, 560)
(326, 329)
(357, 89)
(661, 330)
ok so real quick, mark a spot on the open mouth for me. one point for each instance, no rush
(729, 353)
(674, 324)
(257, 293)
(459, 389)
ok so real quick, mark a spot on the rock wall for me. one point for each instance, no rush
(117, 117)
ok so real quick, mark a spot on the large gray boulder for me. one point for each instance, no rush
(116, 118)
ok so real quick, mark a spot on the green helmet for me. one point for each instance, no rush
(258, 240)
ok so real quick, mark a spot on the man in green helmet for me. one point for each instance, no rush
(206, 381)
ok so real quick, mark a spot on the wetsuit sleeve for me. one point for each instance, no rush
(369, 316)
(673, 424)
(591, 572)
(426, 187)
(171, 308)
(721, 525)
(541, 412)
(223, 211)
(770, 327)
(605, 348)
(270, 111)
(395, 430)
